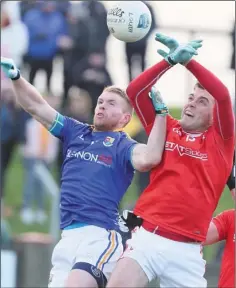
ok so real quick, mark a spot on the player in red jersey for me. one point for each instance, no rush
(222, 227)
(177, 206)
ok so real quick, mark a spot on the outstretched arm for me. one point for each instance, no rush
(223, 113)
(139, 88)
(147, 156)
(27, 96)
(33, 103)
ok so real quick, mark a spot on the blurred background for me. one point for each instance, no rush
(65, 50)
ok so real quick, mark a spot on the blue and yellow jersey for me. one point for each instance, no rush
(96, 172)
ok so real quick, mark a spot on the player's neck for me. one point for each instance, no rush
(112, 130)
(195, 131)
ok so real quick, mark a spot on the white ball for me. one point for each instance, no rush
(129, 21)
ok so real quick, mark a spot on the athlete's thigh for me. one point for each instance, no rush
(63, 257)
(128, 273)
(57, 279)
(186, 267)
(101, 248)
(144, 248)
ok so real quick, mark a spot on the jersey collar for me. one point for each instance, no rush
(116, 130)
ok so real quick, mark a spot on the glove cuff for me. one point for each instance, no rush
(161, 109)
(170, 60)
(17, 75)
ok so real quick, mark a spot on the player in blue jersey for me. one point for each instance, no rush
(98, 167)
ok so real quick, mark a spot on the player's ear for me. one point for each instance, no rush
(126, 119)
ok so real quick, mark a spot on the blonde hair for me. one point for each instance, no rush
(122, 94)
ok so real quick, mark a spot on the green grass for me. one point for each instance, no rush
(13, 198)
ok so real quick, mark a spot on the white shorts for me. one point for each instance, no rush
(90, 244)
(176, 264)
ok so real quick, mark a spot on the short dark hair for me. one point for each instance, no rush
(199, 85)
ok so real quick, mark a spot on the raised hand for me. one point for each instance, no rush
(178, 53)
(169, 42)
(9, 68)
(159, 106)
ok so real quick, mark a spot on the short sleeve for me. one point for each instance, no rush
(221, 222)
(64, 127)
(125, 152)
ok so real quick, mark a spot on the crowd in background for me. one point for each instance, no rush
(33, 33)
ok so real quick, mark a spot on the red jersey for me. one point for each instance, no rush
(185, 187)
(225, 224)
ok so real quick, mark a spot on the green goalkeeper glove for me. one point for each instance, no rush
(159, 106)
(9, 68)
(177, 53)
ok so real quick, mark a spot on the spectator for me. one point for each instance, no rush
(14, 33)
(85, 63)
(95, 74)
(63, 7)
(12, 130)
(138, 49)
(95, 13)
(12, 117)
(45, 25)
(93, 77)
(25, 6)
(40, 147)
(75, 46)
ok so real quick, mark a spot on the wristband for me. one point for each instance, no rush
(170, 61)
(161, 109)
(17, 75)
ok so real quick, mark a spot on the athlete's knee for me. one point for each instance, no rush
(96, 273)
